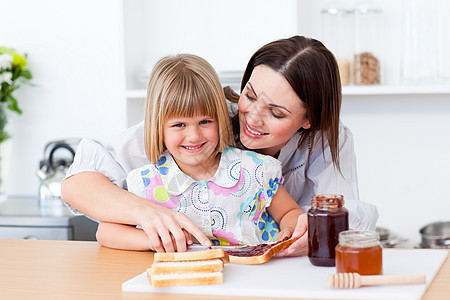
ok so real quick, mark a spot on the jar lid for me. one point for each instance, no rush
(367, 7)
(359, 238)
(327, 201)
(336, 8)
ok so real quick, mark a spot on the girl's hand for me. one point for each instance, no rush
(299, 247)
(169, 231)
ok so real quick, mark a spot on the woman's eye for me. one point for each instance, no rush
(249, 97)
(276, 115)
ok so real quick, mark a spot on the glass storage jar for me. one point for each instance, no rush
(419, 40)
(359, 251)
(326, 218)
(336, 35)
(367, 64)
(443, 8)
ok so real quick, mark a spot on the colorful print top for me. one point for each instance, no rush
(230, 208)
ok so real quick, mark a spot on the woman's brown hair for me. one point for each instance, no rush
(312, 71)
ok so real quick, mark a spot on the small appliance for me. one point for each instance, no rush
(58, 156)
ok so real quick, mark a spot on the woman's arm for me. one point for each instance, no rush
(94, 195)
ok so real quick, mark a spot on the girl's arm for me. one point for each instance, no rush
(125, 237)
(94, 195)
(292, 221)
(121, 236)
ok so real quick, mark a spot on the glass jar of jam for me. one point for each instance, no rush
(359, 251)
(327, 217)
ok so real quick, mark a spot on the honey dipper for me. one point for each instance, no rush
(354, 280)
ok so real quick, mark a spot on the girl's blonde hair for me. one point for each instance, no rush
(184, 85)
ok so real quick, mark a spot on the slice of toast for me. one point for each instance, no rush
(202, 278)
(172, 267)
(190, 256)
(258, 254)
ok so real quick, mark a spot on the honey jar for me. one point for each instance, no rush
(359, 251)
(327, 217)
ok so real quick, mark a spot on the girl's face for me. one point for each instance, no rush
(192, 142)
(270, 112)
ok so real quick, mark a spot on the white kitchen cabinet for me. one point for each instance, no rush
(36, 233)
(23, 218)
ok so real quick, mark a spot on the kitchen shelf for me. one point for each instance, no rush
(430, 89)
(353, 90)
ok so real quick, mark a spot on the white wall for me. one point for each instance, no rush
(225, 33)
(75, 52)
(402, 145)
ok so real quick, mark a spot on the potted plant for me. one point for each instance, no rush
(13, 73)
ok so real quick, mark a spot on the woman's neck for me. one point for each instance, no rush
(274, 152)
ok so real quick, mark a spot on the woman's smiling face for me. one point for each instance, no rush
(270, 112)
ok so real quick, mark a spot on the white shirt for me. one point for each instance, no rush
(126, 152)
(323, 178)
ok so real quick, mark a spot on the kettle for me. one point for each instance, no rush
(52, 170)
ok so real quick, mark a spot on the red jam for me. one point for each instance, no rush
(326, 218)
(256, 250)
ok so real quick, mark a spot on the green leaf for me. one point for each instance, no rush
(26, 74)
(20, 75)
(3, 118)
(4, 136)
(13, 105)
(16, 73)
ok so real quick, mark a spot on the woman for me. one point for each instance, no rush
(289, 108)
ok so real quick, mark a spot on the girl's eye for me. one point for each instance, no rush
(249, 97)
(178, 125)
(203, 122)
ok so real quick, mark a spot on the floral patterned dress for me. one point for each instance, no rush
(230, 208)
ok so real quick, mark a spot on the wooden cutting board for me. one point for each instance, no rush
(295, 277)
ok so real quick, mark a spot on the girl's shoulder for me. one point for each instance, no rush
(248, 157)
(161, 167)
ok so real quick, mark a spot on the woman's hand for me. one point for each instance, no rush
(169, 231)
(299, 247)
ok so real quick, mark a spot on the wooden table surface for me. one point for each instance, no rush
(35, 269)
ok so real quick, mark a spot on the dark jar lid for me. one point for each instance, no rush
(327, 201)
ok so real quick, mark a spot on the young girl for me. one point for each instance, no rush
(234, 196)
